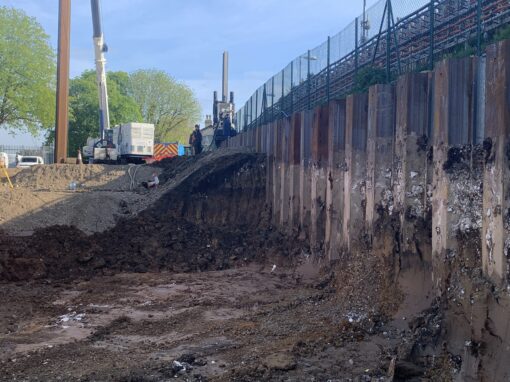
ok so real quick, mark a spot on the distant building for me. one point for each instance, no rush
(207, 137)
(208, 120)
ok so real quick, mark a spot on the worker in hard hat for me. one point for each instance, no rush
(153, 183)
(195, 140)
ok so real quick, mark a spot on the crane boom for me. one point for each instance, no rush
(100, 49)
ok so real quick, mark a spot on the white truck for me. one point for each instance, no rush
(128, 143)
(26, 161)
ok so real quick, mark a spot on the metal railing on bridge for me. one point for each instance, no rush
(392, 37)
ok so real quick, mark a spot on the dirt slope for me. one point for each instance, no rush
(211, 217)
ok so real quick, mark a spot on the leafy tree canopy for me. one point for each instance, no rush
(27, 74)
(84, 106)
(166, 103)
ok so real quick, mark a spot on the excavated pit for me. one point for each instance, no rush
(199, 286)
(212, 219)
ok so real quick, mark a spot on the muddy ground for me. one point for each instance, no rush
(245, 324)
(199, 286)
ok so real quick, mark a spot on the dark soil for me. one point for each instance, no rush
(214, 219)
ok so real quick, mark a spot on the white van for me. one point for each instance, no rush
(29, 161)
(4, 160)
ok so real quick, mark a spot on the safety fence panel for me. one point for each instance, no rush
(390, 38)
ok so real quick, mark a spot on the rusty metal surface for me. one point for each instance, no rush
(62, 116)
(460, 100)
(440, 181)
(496, 201)
(336, 129)
(380, 129)
(286, 127)
(412, 113)
(360, 121)
(320, 129)
(295, 139)
(306, 137)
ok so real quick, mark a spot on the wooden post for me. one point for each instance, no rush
(62, 118)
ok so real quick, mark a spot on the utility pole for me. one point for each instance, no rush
(62, 116)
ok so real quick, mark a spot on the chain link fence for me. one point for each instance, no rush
(391, 38)
(46, 152)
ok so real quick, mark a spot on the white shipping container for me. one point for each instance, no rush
(135, 139)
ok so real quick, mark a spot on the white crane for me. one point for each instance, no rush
(100, 49)
(128, 142)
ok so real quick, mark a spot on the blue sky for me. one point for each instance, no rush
(186, 38)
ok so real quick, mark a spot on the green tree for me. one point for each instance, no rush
(27, 74)
(368, 76)
(84, 106)
(166, 103)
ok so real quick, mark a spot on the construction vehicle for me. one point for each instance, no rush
(130, 142)
(223, 110)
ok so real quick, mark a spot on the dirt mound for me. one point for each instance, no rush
(57, 177)
(42, 197)
(104, 194)
(213, 218)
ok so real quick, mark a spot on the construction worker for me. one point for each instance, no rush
(195, 140)
(152, 183)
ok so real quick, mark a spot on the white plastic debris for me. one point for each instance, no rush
(73, 316)
(273, 269)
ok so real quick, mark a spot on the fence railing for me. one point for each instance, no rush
(391, 38)
(46, 152)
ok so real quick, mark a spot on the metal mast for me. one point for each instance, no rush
(100, 49)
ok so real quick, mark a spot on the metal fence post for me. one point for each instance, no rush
(272, 99)
(264, 104)
(327, 70)
(388, 41)
(309, 86)
(251, 111)
(283, 92)
(479, 28)
(431, 35)
(245, 122)
(356, 43)
(291, 87)
(257, 107)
